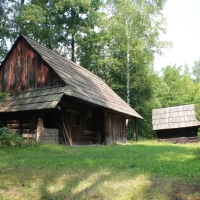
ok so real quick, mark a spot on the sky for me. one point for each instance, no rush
(183, 30)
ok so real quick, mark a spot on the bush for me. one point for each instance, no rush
(198, 134)
(196, 152)
(9, 138)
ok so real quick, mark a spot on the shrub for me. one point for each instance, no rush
(2, 95)
(198, 134)
(9, 138)
(196, 152)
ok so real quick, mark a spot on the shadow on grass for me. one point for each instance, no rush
(101, 172)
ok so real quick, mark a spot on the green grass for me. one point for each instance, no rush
(144, 170)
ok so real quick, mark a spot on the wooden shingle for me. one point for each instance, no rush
(174, 117)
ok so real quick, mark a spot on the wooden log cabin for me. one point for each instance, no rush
(176, 124)
(49, 92)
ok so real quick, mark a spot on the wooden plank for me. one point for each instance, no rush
(136, 129)
(106, 128)
(30, 131)
(22, 126)
(124, 129)
(66, 133)
(27, 135)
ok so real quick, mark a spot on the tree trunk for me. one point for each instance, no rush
(21, 25)
(128, 63)
(73, 49)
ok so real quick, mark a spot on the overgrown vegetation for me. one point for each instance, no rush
(2, 95)
(9, 138)
(196, 152)
(144, 170)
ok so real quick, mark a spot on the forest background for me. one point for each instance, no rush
(116, 40)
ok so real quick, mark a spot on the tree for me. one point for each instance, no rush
(176, 88)
(5, 26)
(133, 29)
(196, 70)
(60, 25)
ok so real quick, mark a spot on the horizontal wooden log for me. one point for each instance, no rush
(18, 116)
(88, 138)
(27, 135)
(88, 132)
(22, 126)
(18, 121)
(31, 131)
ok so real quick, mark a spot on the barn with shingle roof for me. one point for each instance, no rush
(176, 124)
(51, 94)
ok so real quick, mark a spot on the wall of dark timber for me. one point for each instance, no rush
(103, 130)
(21, 122)
(115, 128)
(172, 133)
(24, 70)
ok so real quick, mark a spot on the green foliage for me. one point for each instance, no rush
(177, 88)
(196, 70)
(198, 135)
(2, 95)
(196, 152)
(5, 26)
(60, 25)
(9, 138)
(130, 32)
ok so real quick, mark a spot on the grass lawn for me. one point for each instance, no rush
(143, 170)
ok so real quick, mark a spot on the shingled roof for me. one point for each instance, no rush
(32, 100)
(80, 83)
(174, 117)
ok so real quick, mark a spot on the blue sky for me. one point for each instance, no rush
(183, 30)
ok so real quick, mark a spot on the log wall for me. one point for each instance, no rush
(24, 123)
(172, 133)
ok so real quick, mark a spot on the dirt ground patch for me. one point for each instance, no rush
(189, 192)
(164, 189)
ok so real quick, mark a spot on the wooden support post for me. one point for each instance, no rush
(124, 125)
(136, 129)
(106, 128)
(40, 126)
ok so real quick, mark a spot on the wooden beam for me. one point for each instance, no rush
(124, 129)
(40, 126)
(136, 129)
(66, 133)
(106, 128)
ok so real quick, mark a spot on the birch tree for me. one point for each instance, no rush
(134, 29)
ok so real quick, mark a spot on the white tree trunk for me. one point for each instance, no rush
(128, 64)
